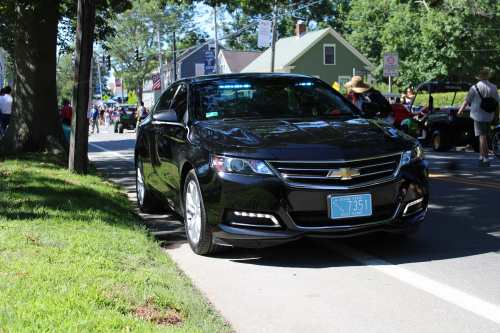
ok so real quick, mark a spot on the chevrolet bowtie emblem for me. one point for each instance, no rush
(343, 173)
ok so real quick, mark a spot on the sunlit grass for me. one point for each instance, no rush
(75, 257)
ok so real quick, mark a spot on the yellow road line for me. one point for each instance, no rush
(466, 181)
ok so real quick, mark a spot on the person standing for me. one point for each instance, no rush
(482, 119)
(94, 117)
(107, 118)
(66, 111)
(6, 107)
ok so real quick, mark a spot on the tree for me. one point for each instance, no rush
(439, 40)
(29, 29)
(65, 77)
(137, 29)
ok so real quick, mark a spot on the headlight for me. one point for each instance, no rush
(416, 154)
(238, 165)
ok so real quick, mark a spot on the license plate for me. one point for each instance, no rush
(350, 206)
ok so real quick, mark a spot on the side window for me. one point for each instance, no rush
(165, 99)
(180, 102)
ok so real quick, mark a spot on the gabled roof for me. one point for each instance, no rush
(237, 60)
(192, 50)
(289, 49)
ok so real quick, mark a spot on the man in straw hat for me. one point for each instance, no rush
(482, 119)
(365, 93)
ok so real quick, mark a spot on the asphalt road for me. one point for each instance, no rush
(445, 278)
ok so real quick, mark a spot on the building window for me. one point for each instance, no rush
(329, 54)
(343, 80)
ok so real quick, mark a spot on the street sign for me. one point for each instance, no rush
(264, 38)
(209, 60)
(105, 97)
(336, 86)
(362, 72)
(97, 88)
(391, 64)
(131, 94)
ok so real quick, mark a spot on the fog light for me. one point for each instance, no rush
(251, 219)
(413, 207)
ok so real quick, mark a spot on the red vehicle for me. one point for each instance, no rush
(402, 111)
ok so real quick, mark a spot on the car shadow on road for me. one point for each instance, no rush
(462, 222)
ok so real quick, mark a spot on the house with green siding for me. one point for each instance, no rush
(322, 53)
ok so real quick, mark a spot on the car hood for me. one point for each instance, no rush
(302, 138)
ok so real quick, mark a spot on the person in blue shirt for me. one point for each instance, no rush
(94, 117)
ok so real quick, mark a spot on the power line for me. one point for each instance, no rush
(419, 49)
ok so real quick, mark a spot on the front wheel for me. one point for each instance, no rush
(120, 128)
(495, 143)
(195, 219)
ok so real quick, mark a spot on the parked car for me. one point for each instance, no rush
(126, 118)
(254, 160)
(441, 127)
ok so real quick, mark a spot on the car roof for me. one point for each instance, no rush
(433, 87)
(214, 77)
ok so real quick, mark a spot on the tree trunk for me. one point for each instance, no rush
(35, 124)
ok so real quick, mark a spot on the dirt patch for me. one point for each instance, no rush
(153, 315)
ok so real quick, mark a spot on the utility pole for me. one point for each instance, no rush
(175, 60)
(273, 44)
(216, 65)
(78, 147)
(161, 63)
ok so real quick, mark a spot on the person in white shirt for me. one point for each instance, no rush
(6, 107)
(482, 118)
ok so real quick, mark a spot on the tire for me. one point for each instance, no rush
(120, 128)
(404, 129)
(146, 203)
(195, 219)
(495, 143)
(440, 141)
(116, 129)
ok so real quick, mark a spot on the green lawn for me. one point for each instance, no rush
(75, 257)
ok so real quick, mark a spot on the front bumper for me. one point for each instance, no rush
(398, 205)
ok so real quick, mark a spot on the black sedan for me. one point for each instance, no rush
(254, 160)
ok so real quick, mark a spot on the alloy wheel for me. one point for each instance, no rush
(193, 212)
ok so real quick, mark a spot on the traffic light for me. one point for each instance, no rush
(103, 61)
(108, 62)
(136, 53)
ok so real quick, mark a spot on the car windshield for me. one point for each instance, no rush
(268, 98)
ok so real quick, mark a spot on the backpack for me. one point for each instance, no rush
(488, 104)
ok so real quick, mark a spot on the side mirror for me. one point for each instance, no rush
(168, 116)
(370, 109)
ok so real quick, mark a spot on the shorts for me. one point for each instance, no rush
(481, 127)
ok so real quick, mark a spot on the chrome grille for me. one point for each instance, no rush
(314, 174)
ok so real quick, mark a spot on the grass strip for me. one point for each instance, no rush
(75, 257)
